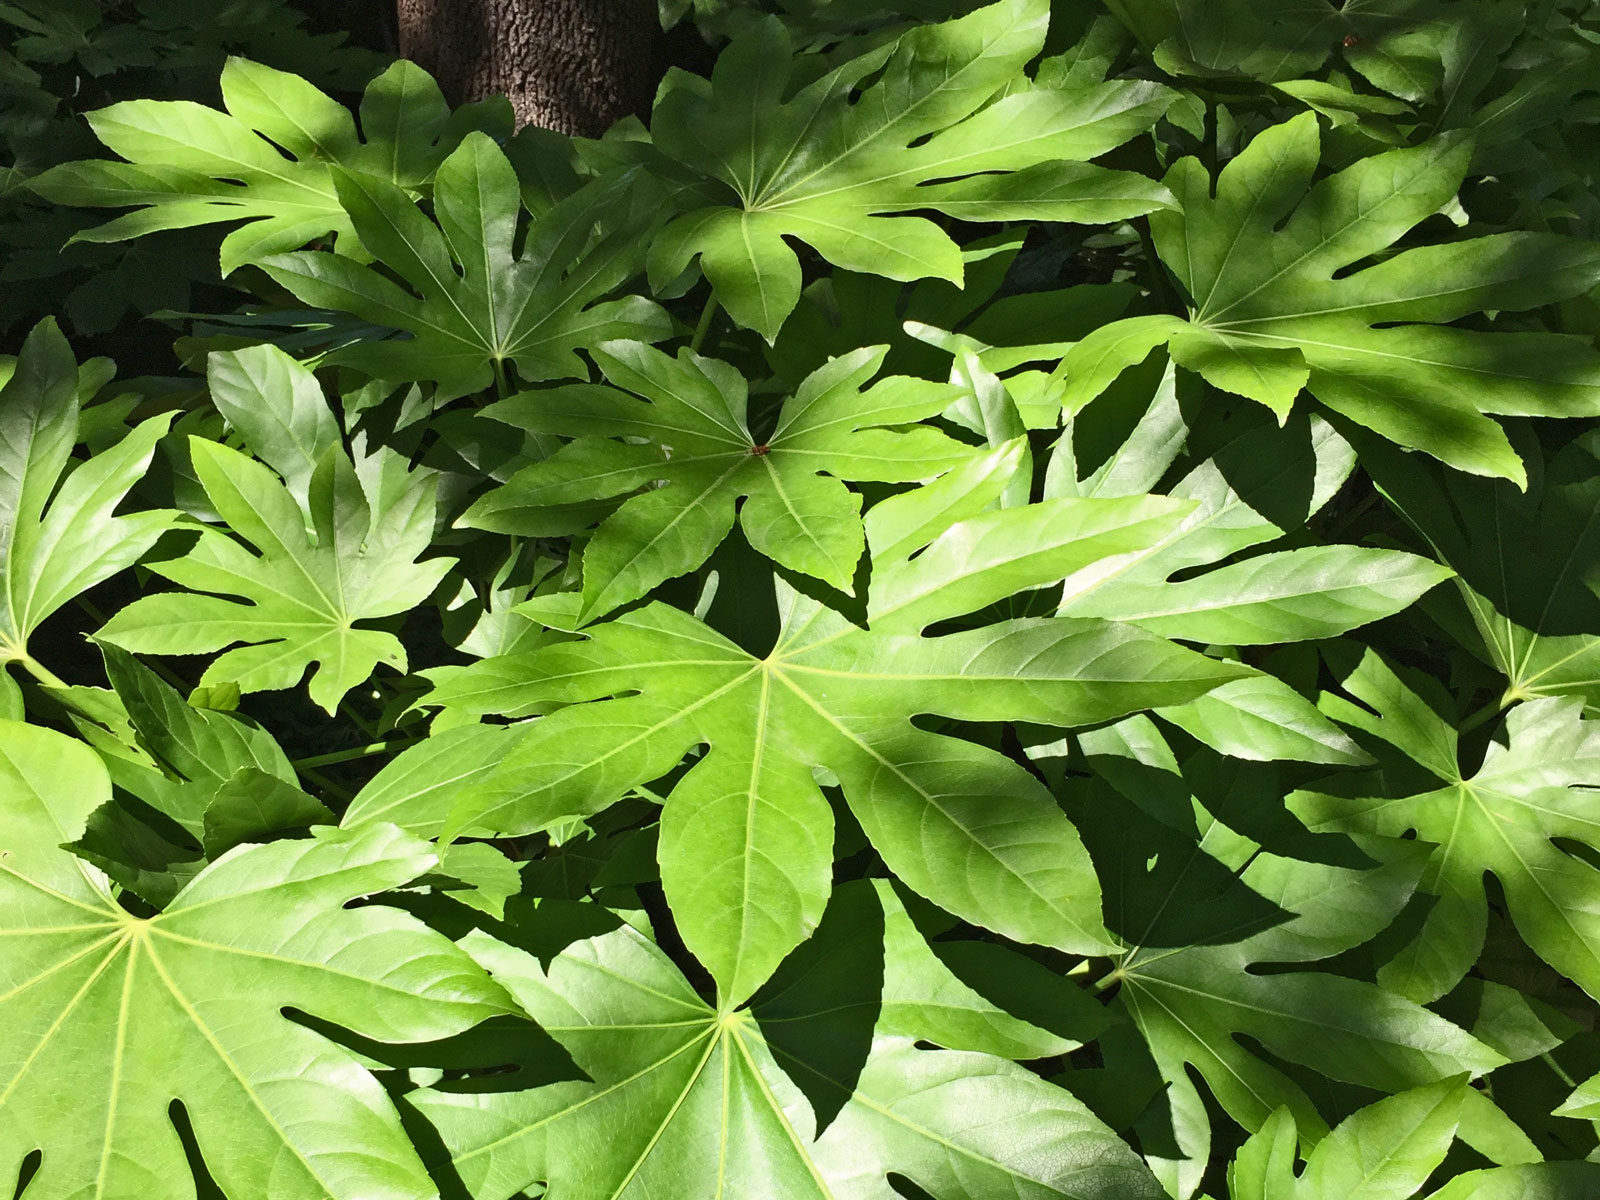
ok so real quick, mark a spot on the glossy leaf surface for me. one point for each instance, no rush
(139, 1013)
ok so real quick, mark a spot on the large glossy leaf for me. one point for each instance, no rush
(747, 835)
(1516, 816)
(1402, 46)
(476, 304)
(937, 120)
(349, 558)
(1275, 306)
(58, 536)
(1219, 937)
(694, 435)
(110, 1018)
(266, 159)
(818, 1091)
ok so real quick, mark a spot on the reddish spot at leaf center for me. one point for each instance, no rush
(1351, 39)
(761, 450)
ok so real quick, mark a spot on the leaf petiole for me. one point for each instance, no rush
(340, 756)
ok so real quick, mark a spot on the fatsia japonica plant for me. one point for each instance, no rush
(1002, 600)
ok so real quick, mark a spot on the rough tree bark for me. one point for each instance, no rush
(572, 65)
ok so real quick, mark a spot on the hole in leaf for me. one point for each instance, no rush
(205, 1188)
(904, 1187)
(1579, 850)
(30, 1168)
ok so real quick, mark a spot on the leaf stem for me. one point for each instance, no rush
(41, 672)
(1208, 137)
(707, 314)
(1109, 981)
(339, 756)
(1560, 1071)
(1488, 712)
(327, 785)
(1159, 287)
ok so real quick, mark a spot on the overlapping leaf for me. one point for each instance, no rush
(1388, 1151)
(213, 782)
(1511, 817)
(108, 1018)
(1260, 483)
(693, 434)
(747, 834)
(1402, 46)
(349, 557)
(1275, 307)
(1527, 591)
(190, 165)
(58, 536)
(1197, 908)
(908, 126)
(816, 1092)
(476, 304)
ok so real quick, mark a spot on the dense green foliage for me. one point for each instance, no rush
(1004, 601)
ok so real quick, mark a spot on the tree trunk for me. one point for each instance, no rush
(572, 65)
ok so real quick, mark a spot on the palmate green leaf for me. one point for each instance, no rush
(942, 122)
(1202, 911)
(746, 842)
(58, 534)
(1387, 1151)
(1271, 314)
(190, 165)
(692, 433)
(1511, 817)
(476, 304)
(109, 1018)
(817, 1092)
(62, 30)
(305, 592)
